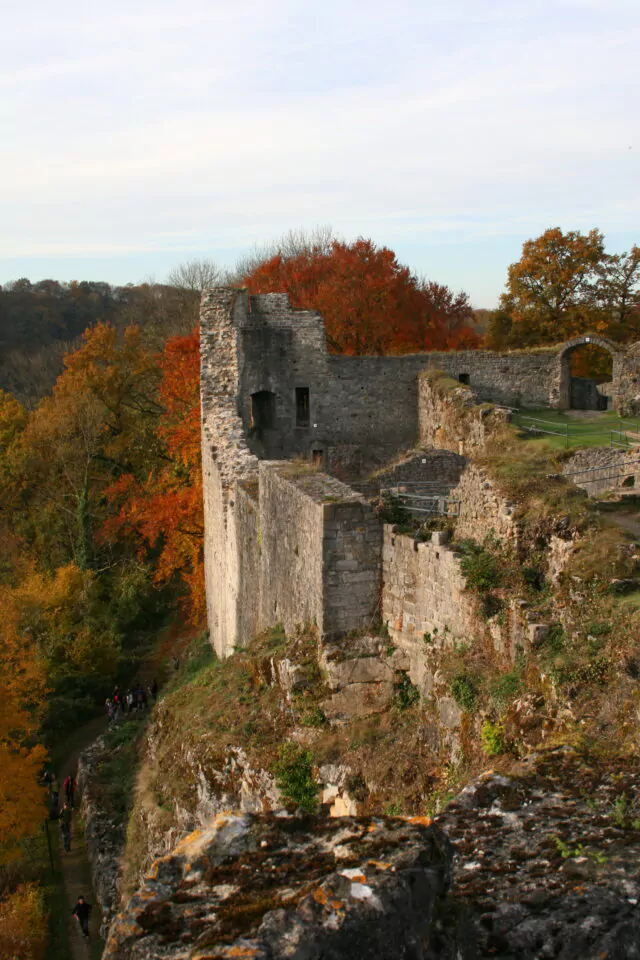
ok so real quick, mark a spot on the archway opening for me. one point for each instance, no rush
(590, 377)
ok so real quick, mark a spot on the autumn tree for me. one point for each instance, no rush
(23, 689)
(566, 284)
(163, 512)
(370, 302)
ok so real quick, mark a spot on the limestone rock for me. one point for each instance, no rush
(542, 867)
(358, 700)
(268, 888)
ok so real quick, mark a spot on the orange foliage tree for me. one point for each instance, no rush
(164, 511)
(566, 284)
(23, 924)
(23, 691)
(371, 304)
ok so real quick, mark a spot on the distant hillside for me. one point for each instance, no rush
(40, 322)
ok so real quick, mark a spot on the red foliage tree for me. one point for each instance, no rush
(165, 510)
(369, 301)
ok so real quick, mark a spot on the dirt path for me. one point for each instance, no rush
(74, 866)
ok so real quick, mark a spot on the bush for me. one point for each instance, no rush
(294, 777)
(406, 693)
(505, 688)
(479, 566)
(493, 738)
(314, 718)
(464, 690)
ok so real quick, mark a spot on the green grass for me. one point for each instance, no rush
(595, 431)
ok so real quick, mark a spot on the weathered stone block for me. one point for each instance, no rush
(268, 889)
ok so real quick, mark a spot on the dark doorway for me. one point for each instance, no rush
(263, 410)
(302, 406)
(590, 368)
(464, 378)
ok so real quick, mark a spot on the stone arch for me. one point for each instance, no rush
(564, 372)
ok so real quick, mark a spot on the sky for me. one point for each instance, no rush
(135, 135)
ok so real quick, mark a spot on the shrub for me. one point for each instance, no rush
(294, 777)
(534, 577)
(493, 739)
(314, 718)
(464, 690)
(479, 566)
(504, 688)
(390, 509)
(406, 693)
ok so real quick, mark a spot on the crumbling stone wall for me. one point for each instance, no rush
(482, 510)
(423, 589)
(628, 382)
(451, 418)
(226, 461)
(321, 545)
(600, 469)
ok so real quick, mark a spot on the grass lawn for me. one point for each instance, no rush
(591, 429)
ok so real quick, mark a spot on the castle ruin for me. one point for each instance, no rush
(286, 426)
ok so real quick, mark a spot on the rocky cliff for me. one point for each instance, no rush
(539, 863)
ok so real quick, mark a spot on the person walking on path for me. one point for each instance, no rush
(65, 826)
(82, 912)
(54, 786)
(70, 789)
(154, 689)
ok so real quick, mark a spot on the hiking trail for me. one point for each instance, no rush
(74, 866)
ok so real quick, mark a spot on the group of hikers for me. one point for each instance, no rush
(64, 816)
(135, 699)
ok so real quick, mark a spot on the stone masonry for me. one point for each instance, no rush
(284, 545)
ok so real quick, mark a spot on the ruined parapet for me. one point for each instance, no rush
(451, 417)
(226, 459)
(483, 511)
(628, 395)
(320, 551)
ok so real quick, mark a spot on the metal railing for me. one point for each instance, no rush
(424, 504)
(573, 435)
(611, 476)
(532, 425)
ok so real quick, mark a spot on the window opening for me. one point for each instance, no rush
(317, 458)
(263, 410)
(302, 406)
(464, 378)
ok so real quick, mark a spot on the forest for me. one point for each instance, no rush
(101, 515)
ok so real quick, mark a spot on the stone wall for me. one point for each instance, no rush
(423, 589)
(482, 510)
(226, 461)
(600, 469)
(451, 418)
(628, 390)
(320, 551)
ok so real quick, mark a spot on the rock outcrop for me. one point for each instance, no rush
(104, 834)
(268, 887)
(547, 859)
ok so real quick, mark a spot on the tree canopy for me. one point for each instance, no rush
(566, 284)
(370, 302)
